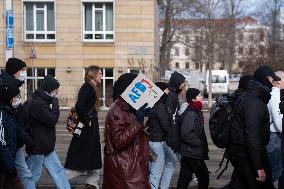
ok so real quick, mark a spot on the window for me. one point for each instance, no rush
(176, 52)
(98, 22)
(218, 79)
(186, 52)
(251, 50)
(261, 50)
(187, 65)
(241, 51)
(261, 35)
(177, 64)
(39, 21)
(35, 78)
(186, 39)
(241, 37)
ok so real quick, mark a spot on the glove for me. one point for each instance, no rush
(143, 112)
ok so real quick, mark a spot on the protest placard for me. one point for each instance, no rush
(142, 90)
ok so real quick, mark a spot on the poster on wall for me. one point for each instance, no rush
(142, 90)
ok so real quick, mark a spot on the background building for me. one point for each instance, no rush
(190, 44)
(63, 37)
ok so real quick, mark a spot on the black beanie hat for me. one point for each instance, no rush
(13, 65)
(50, 83)
(121, 84)
(176, 80)
(244, 81)
(162, 85)
(192, 93)
(7, 92)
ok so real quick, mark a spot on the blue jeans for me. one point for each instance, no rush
(274, 155)
(53, 166)
(163, 167)
(23, 170)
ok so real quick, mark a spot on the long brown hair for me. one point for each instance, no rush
(91, 72)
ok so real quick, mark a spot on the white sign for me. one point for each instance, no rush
(142, 90)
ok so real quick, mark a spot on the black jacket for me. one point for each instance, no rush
(22, 136)
(159, 122)
(43, 114)
(84, 152)
(281, 107)
(250, 125)
(193, 138)
(7, 138)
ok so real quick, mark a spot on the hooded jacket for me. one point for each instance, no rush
(7, 138)
(250, 125)
(43, 113)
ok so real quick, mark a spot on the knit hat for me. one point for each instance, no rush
(50, 83)
(244, 81)
(176, 80)
(13, 65)
(163, 86)
(7, 92)
(192, 93)
(122, 83)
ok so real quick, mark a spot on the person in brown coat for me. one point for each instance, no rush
(126, 153)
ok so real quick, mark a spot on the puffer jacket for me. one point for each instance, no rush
(126, 153)
(193, 138)
(250, 126)
(43, 114)
(8, 137)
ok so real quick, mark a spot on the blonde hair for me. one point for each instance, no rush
(91, 72)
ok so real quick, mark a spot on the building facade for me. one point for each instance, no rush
(231, 47)
(63, 37)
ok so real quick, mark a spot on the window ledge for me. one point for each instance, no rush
(98, 43)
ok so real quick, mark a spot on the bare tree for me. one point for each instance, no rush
(170, 11)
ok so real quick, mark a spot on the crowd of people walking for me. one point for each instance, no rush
(139, 153)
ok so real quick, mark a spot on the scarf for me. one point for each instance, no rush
(197, 106)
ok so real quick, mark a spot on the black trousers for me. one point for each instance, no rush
(190, 166)
(244, 176)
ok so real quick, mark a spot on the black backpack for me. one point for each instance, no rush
(220, 120)
(174, 135)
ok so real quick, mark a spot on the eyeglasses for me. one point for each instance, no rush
(18, 96)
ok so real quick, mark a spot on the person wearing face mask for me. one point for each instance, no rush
(84, 153)
(8, 146)
(42, 113)
(194, 146)
(15, 73)
(250, 133)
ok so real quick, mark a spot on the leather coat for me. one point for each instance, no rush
(126, 153)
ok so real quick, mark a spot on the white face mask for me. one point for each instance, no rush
(17, 102)
(23, 75)
(54, 94)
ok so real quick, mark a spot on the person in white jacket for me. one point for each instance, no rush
(274, 146)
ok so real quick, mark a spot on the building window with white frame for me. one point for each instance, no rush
(39, 21)
(98, 19)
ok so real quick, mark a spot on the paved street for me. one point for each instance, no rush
(63, 139)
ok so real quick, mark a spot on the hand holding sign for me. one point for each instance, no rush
(143, 112)
(141, 91)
